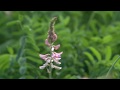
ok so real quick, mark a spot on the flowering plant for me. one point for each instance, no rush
(53, 57)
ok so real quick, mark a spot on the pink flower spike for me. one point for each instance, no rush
(47, 43)
(44, 57)
(57, 47)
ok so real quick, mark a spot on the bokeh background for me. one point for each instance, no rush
(90, 41)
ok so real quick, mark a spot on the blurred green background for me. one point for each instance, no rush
(90, 41)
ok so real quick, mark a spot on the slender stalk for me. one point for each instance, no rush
(50, 67)
(51, 40)
(50, 72)
(112, 66)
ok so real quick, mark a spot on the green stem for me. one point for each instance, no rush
(112, 66)
(50, 73)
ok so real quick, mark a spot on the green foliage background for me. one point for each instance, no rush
(89, 40)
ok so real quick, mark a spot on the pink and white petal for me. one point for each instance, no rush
(52, 66)
(47, 43)
(44, 57)
(57, 59)
(46, 64)
(57, 62)
(56, 55)
(52, 49)
(57, 47)
(42, 67)
(56, 67)
(60, 53)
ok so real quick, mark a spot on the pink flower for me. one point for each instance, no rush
(52, 37)
(47, 43)
(56, 55)
(57, 47)
(44, 57)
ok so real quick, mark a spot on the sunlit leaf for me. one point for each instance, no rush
(96, 53)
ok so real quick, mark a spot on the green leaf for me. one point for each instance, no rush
(66, 21)
(68, 76)
(112, 66)
(22, 70)
(22, 45)
(91, 58)
(20, 17)
(85, 42)
(38, 61)
(108, 53)
(96, 53)
(115, 57)
(5, 44)
(12, 23)
(88, 64)
(10, 50)
(107, 39)
(22, 61)
(4, 61)
(96, 39)
(31, 52)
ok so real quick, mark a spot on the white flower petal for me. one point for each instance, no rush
(57, 62)
(57, 58)
(51, 60)
(56, 67)
(52, 66)
(48, 61)
(52, 49)
(46, 64)
(42, 67)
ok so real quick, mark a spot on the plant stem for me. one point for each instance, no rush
(50, 73)
(112, 66)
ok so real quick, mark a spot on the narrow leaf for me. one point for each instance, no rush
(96, 53)
(108, 53)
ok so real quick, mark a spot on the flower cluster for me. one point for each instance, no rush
(53, 57)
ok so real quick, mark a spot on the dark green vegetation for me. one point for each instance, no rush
(90, 42)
